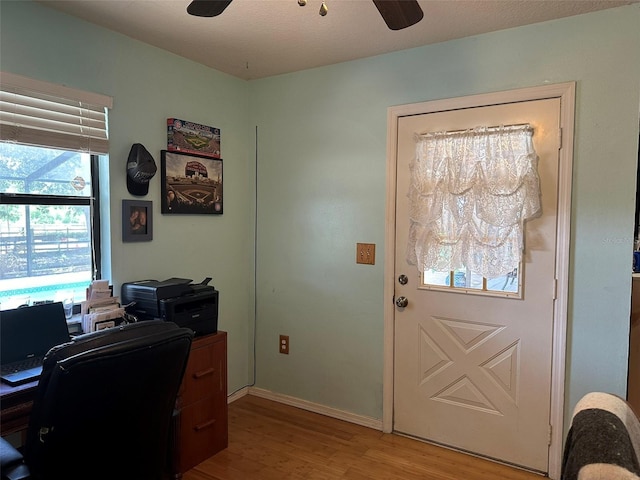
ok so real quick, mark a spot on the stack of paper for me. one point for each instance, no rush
(99, 289)
(101, 309)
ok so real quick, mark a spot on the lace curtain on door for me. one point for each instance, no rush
(469, 197)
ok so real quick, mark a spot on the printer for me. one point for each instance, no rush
(177, 300)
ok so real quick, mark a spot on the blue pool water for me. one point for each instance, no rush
(43, 292)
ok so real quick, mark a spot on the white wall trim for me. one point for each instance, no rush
(238, 395)
(566, 93)
(364, 421)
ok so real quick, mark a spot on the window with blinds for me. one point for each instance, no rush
(51, 140)
(46, 115)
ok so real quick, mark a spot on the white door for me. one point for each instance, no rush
(474, 371)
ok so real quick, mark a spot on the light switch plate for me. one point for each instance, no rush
(366, 253)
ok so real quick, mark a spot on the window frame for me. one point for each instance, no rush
(37, 113)
(92, 201)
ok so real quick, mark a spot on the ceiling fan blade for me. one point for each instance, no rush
(399, 14)
(207, 8)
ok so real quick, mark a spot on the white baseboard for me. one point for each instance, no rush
(237, 394)
(312, 407)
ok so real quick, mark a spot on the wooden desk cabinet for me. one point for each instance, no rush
(200, 423)
(16, 403)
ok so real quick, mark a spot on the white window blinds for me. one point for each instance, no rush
(469, 197)
(38, 113)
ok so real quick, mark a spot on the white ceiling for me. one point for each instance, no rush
(260, 38)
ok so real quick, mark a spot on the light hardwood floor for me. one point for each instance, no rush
(269, 440)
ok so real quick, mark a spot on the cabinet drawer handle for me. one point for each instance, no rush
(204, 425)
(203, 373)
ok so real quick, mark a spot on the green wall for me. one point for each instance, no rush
(148, 86)
(320, 162)
(321, 189)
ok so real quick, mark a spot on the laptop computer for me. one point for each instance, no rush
(26, 335)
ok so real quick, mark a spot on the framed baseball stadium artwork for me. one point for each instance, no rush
(191, 184)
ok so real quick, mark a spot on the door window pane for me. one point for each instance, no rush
(465, 281)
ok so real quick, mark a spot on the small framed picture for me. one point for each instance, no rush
(137, 221)
(191, 184)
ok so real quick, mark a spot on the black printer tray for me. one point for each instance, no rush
(199, 311)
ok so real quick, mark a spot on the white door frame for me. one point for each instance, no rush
(566, 93)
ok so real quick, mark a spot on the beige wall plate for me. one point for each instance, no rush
(366, 253)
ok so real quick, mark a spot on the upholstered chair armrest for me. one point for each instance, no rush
(11, 464)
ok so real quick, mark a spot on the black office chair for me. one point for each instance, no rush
(104, 405)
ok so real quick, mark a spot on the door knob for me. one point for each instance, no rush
(403, 279)
(402, 302)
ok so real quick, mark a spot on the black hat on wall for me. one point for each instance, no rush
(140, 169)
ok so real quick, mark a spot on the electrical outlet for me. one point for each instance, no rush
(284, 344)
(366, 253)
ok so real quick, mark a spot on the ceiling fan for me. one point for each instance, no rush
(397, 14)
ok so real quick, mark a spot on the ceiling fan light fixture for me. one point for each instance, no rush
(323, 9)
(302, 3)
